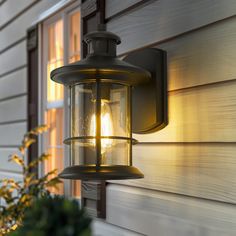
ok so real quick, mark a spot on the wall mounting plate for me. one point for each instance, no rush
(149, 100)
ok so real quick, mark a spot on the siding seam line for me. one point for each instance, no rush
(13, 70)
(129, 9)
(118, 226)
(9, 146)
(154, 44)
(12, 97)
(13, 45)
(176, 194)
(188, 143)
(10, 171)
(202, 85)
(18, 14)
(13, 122)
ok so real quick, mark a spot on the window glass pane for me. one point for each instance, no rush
(75, 41)
(54, 116)
(74, 55)
(55, 59)
(54, 120)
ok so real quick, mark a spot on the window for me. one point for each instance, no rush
(75, 39)
(61, 43)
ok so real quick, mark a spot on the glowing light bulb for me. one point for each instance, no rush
(106, 127)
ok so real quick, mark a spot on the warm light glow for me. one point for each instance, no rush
(54, 120)
(75, 39)
(106, 127)
(55, 93)
(55, 60)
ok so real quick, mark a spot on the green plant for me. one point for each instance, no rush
(54, 216)
(16, 196)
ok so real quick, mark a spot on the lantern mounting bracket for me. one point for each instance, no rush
(149, 100)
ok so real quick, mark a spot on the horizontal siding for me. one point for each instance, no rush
(13, 109)
(15, 176)
(201, 57)
(189, 186)
(17, 29)
(12, 134)
(5, 164)
(9, 175)
(205, 114)
(154, 213)
(205, 171)
(10, 9)
(163, 19)
(101, 228)
(114, 6)
(13, 84)
(13, 58)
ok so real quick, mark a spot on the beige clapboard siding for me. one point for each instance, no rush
(154, 213)
(10, 9)
(12, 134)
(5, 165)
(204, 56)
(101, 228)
(200, 170)
(167, 18)
(9, 175)
(13, 109)
(13, 84)
(13, 58)
(114, 6)
(204, 114)
(17, 29)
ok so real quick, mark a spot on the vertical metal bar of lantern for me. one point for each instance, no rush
(98, 123)
(71, 124)
(130, 121)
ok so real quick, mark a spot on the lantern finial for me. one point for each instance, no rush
(101, 42)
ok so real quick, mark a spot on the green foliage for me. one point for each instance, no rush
(16, 197)
(54, 216)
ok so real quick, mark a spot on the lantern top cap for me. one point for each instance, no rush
(101, 33)
(101, 64)
(102, 42)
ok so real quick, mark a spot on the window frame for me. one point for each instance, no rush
(64, 15)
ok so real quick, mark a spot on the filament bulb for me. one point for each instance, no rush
(106, 127)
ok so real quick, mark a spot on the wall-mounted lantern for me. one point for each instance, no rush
(110, 99)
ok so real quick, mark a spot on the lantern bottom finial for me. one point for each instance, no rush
(104, 172)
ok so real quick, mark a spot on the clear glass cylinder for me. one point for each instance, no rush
(100, 124)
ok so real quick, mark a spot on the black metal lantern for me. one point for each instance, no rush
(101, 111)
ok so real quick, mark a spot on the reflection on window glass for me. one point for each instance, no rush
(74, 55)
(54, 115)
(54, 119)
(74, 47)
(55, 59)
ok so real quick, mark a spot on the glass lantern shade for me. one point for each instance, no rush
(101, 136)
(100, 110)
(100, 127)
